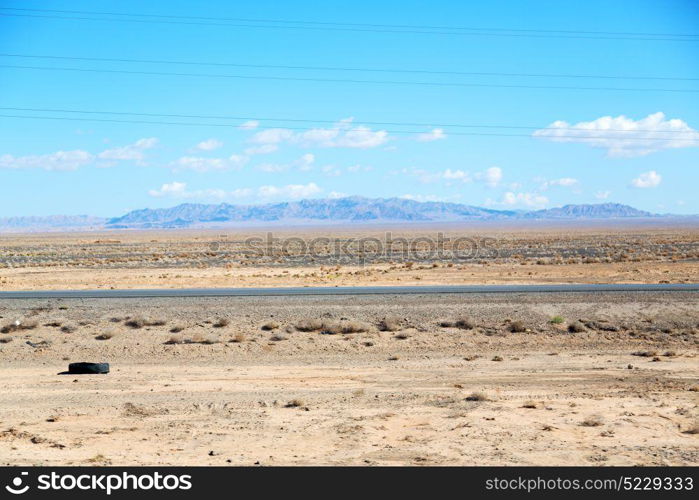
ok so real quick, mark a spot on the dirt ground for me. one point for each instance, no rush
(451, 255)
(522, 379)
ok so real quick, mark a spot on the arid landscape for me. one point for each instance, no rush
(449, 255)
(488, 379)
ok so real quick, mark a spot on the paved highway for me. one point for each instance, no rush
(375, 290)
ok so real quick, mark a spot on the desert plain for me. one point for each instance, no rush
(472, 379)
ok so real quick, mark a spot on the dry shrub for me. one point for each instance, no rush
(271, 325)
(199, 338)
(177, 329)
(390, 324)
(530, 404)
(497, 358)
(277, 338)
(346, 327)
(139, 322)
(5, 340)
(355, 327)
(294, 403)
(106, 335)
(576, 327)
(517, 327)
(693, 429)
(53, 324)
(309, 325)
(402, 336)
(477, 396)
(238, 338)
(18, 326)
(471, 357)
(645, 354)
(221, 322)
(69, 328)
(393, 358)
(593, 421)
(175, 339)
(464, 324)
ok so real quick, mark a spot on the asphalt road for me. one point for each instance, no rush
(376, 290)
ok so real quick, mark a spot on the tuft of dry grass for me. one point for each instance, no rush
(464, 324)
(355, 327)
(106, 335)
(309, 325)
(5, 340)
(294, 403)
(576, 327)
(390, 324)
(69, 328)
(221, 322)
(402, 335)
(271, 325)
(238, 338)
(277, 338)
(530, 404)
(471, 357)
(177, 329)
(496, 358)
(517, 327)
(139, 322)
(645, 354)
(593, 421)
(175, 339)
(19, 325)
(477, 396)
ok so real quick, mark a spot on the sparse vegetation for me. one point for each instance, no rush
(390, 324)
(477, 396)
(497, 358)
(18, 325)
(593, 421)
(576, 327)
(238, 338)
(221, 323)
(106, 335)
(557, 320)
(5, 339)
(271, 325)
(517, 327)
(177, 329)
(309, 325)
(294, 403)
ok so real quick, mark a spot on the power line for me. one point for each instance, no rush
(343, 80)
(109, 120)
(325, 121)
(356, 27)
(338, 68)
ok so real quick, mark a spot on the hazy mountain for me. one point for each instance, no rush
(348, 210)
(52, 223)
(597, 211)
(352, 209)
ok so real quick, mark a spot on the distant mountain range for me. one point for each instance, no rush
(347, 210)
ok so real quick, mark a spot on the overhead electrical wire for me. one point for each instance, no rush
(151, 122)
(336, 26)
(338, 68)
(326, 121)
(342, 80)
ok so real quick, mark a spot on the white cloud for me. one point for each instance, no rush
(421, 197)
(602, 195)
(130, 152)
(179, 190)
(625, 137)
(491, 177)
(647, 180)
(562, 182)
(201, 164)
(249, 125)
(456, 175)
(175, 189)
(341, 135)
(60, 160)
(306, 161)
(262, 149)
(523, 199)
(293, 191)
(209, 145)
(433, 135)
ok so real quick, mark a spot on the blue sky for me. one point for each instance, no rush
(106, 168)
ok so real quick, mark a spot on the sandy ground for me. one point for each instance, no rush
(334, 257)
(229, 392)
